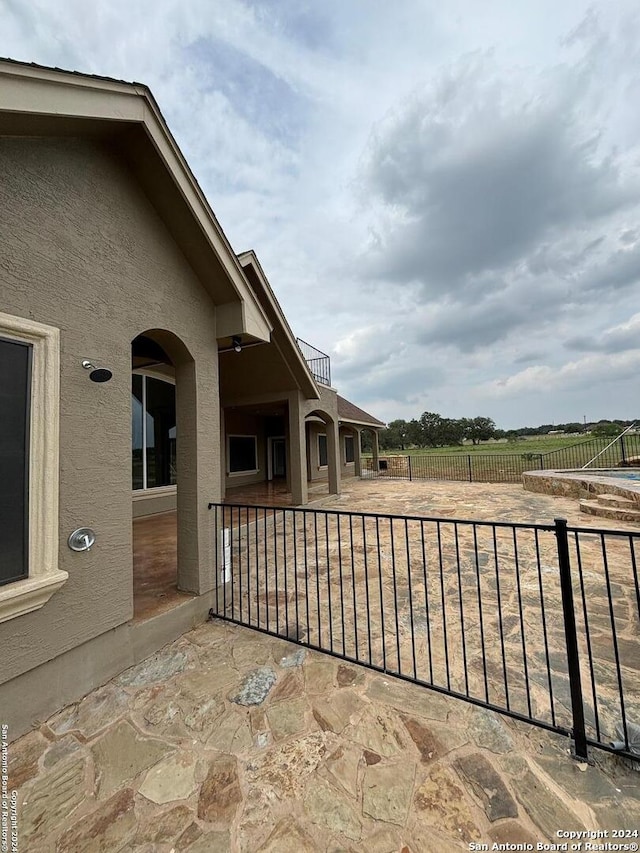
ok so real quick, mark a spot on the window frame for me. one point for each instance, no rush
(45, 578)
(145, 491)
(243, 473)
(26, 462)
(322, 467)
(351, 438)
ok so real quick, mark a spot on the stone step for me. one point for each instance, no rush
(617, 500)
(595, 508)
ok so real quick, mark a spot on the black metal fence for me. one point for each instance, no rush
(503, 467)
(469, 467)
(625, 451)
(539, 622)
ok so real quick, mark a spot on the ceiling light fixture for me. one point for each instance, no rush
(236, 343)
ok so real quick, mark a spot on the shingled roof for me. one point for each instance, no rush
(350, 412)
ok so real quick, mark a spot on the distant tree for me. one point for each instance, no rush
(395, 435)
(383, 441)
(572, 427)
(479, 429)
(452, 431)
(431, 424)
(415, 434)
(606, 429)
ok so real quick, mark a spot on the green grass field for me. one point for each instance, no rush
(541, 444)
(503, 462)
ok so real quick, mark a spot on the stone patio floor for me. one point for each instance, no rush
(232, 740)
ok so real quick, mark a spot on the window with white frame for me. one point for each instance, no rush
(349, 449)
(242, 454)
(322, 451)
(29, 453)
(153, 432)
(15, 393)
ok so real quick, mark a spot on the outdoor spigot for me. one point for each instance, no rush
(82, 539)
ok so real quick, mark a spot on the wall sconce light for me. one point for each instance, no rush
(98, 374)
(236, 343)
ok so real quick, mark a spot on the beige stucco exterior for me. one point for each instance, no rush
(105, 236)
(101, 268)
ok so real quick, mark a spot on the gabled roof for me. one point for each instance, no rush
(353, 414)
(283, 337)
(37, 100)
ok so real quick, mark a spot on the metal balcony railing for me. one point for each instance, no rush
(319, 362)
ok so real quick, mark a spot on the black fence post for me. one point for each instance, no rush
(566, 588)
(624, 458)
(409, 459)
(541, 461)
(470, 468)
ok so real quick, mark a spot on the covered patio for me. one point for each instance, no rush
(155, 558)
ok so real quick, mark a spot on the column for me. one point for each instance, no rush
(357, 450)
(297, 450)
(223, 456)
(376, 449)
(333, 457)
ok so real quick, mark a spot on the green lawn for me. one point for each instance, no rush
(504, 462)
(542, 444)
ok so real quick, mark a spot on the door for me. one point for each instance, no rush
(277, 458)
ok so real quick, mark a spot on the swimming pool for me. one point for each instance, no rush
(618, 473)
(586, 482)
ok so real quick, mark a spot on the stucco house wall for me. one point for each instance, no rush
(84, 250)
(240, 423)
(326, 408)
(347, 469)
(163, 499)
(105, 236)
(314, 470)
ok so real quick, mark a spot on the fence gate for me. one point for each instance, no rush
(537, 621)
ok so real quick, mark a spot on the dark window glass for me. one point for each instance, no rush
(153, 432)
(137, 438)
(15, 386)
(242, 453)
(160, 423)
(349, 452)
(279, 457)
(322, 450)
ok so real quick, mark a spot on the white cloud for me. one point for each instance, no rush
(624, 336)
(582, 373)
(439, 193)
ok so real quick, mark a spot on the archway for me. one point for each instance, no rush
(163, 417)
(323, 450)
(350, 449)
(367, 444)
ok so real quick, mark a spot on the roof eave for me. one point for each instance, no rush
(370, 424)
(300, 367)
(59, 95)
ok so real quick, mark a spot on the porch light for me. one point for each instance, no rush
(236, 343)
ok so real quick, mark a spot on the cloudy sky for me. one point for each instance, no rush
(444, 196)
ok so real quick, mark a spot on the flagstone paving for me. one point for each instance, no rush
(372, 765)
(471, 608)
(233, 740)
